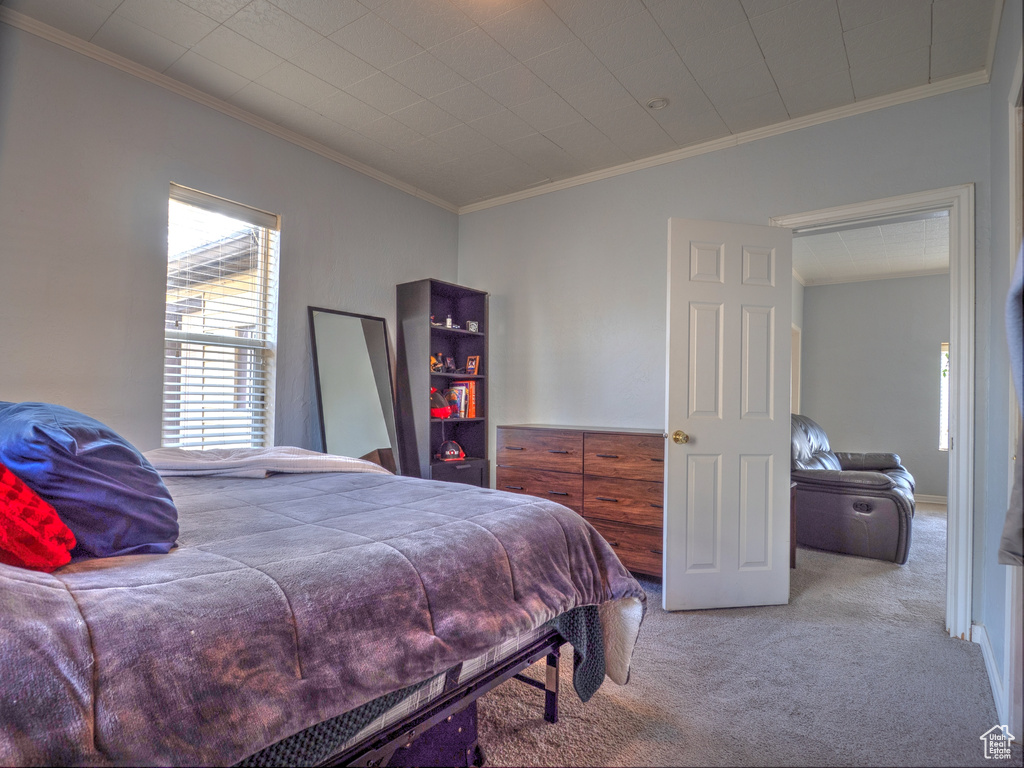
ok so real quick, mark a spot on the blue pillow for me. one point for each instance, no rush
(102, 487)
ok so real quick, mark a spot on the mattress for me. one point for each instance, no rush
(339, 735)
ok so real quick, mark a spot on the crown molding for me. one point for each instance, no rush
(84, 47)
(944, 198)
(980, 77)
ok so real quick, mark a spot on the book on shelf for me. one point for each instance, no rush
(457, 396)
(470, 388)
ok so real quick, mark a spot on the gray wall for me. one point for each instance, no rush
(871, 369)
(996, 254)
(577, 277)
(798, 303)
(86, 156)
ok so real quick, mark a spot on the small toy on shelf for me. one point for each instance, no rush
(440, 408)
(450, 451)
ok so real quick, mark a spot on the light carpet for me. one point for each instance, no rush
(856, 670)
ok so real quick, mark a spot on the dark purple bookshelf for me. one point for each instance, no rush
(420, 436)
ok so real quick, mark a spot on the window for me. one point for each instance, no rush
(944, 396)
(220, 323)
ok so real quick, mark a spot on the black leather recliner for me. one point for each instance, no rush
(855, 503)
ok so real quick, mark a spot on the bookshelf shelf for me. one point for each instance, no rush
(418, 339)
(455, 331)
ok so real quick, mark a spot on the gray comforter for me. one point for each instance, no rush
(289, 600)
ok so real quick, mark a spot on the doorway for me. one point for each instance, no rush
(875, 309)
(958, 202)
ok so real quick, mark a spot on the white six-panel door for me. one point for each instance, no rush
(727, 415)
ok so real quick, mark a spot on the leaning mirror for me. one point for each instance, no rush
(355, 399)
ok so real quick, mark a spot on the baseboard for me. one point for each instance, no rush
(929, 499)
(980, 636)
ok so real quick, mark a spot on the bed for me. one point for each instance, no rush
(298, 609)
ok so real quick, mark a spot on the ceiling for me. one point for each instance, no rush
(901, 248)
(465, 102)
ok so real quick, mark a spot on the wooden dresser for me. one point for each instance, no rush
(613, 477)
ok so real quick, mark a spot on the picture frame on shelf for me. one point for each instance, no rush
(472, 364)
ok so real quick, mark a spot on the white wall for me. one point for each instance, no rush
(798, 303)
(577, 277)
(992, 414)
(871, 369)
(86, 156)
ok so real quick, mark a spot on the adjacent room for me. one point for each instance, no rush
(875, 341)
(424, 382)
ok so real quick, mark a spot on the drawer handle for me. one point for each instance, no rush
(513, 448)
(558, 493)
(554, 451)
(606, 455)
(514, 487)
(656, 551)
(658, 458)
(656, 506)
(607, 498)
(463, 466)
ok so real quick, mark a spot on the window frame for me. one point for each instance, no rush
(177, 430)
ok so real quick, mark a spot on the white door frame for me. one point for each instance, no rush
(796, 372)
(1010, 709)
(959, 202)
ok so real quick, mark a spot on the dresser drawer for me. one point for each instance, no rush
(638, 457)
(564, 488)
(551, 449)
(638, 502)
(638, 548)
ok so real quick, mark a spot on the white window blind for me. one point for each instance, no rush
(221, 323)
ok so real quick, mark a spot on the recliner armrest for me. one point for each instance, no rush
(868, 461)
(841, 478)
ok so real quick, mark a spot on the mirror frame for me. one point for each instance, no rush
(392, 427)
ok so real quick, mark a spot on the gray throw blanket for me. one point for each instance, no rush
(289, 601)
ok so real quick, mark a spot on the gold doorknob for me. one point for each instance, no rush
(680, 437)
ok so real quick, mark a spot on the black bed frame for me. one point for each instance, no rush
(443, 733)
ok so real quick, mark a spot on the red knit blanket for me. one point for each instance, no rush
(31, 533)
